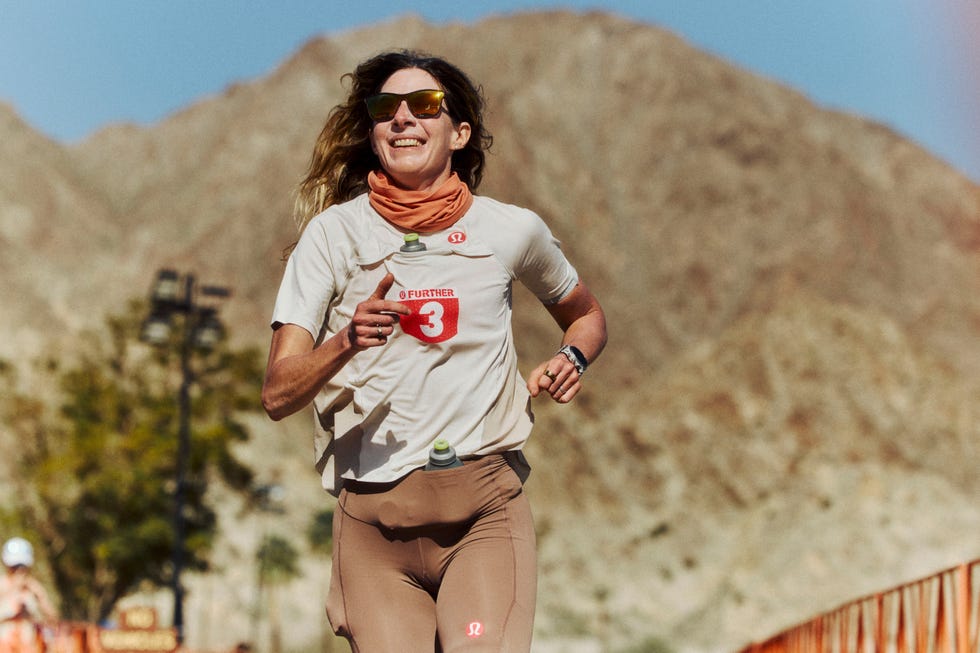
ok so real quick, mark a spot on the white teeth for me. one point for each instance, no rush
(407, 142)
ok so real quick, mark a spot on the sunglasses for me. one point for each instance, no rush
(423, 104)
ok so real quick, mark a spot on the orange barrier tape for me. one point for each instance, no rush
(939, 613)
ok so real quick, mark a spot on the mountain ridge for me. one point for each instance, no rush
(793, 295)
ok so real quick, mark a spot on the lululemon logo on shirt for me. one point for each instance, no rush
(435, 313)
(474, 629)
(456, 238)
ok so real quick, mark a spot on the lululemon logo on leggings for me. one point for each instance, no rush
(474, 630)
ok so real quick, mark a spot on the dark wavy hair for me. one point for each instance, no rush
(342, 156)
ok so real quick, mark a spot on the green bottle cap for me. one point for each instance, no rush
(413, 244)
(442, 456)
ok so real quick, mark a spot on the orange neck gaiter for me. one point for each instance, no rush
(419, 211)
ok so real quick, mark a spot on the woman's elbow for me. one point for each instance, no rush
(274, 407)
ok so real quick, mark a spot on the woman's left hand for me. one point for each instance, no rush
(584, 324)
(557, 377)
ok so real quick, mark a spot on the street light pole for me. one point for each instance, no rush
(200, 328)
(183, 452)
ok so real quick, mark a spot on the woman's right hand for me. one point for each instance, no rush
(297, 369)
(375, 318)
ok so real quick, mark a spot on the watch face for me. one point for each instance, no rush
(575, 356)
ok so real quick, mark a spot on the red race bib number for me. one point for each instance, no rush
(432, 320)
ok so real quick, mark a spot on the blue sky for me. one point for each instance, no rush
(69, 67)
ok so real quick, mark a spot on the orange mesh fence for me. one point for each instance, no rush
(72, 637)
(84, 637)
(937, 614)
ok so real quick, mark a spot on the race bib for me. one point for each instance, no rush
(435, 313)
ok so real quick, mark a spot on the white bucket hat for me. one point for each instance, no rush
(18, 551)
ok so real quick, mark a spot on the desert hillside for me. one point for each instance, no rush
(786, 415)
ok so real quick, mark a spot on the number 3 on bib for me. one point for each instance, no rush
(432, 320)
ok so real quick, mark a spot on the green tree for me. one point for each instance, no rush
(278, 560)
(320, 532)
(97, 451)
(278, 563)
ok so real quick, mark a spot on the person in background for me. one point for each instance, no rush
(25, 609)
(396, 349)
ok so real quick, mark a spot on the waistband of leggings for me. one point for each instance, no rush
(515, 459)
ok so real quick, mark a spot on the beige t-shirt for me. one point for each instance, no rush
(450, 369)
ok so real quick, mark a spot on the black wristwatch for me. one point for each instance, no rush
(573, 354)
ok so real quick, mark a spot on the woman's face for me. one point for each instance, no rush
(416, 152)
(18, 571)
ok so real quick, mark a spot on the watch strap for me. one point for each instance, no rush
(576, 357)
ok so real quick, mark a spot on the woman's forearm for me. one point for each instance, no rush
(297, 370)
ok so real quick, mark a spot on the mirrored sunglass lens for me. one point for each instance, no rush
(383, 106)
(425, 104)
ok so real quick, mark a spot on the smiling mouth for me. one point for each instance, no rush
(407, 142)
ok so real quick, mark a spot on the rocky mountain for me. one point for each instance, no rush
(787, 414)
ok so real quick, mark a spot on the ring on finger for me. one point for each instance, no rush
(551, 375)
(380, 333)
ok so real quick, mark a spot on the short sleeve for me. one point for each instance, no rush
(543, 267)
(309, 281)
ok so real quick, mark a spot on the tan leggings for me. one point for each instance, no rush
(442, 561)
